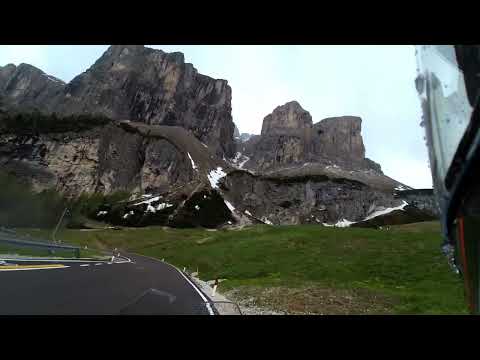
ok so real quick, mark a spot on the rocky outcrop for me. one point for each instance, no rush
(166, 161)
(286, 118)
(423, 199)
(125, 156)
(134, 83)
(340, 139)
(27, 87)
(168, 140)
(289, 138)
(306, 199)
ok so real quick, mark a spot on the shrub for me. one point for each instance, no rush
(36, 123)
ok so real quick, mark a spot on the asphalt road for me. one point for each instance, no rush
(141, 287)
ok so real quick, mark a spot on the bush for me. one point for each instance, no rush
(36, 123)
(90, 204)
(21, 207)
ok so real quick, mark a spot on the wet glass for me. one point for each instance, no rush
(441, 86)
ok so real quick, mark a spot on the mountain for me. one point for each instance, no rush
(131, 82)
(144, 122)
(289, 137)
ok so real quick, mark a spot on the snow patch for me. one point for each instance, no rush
(194, 167)
(230, 206)
(128, 214)
(266, 221)
(100, 213)
(385, 211)
(52, 78)
(205, 145)
(248, 213)
(342, 223)
(401, 188)
(239, 160)
(149, 201)
(163, 206)
(197, 207)
(215, 175)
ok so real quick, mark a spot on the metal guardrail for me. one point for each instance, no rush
(11, 237)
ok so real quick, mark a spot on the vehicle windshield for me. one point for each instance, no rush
(442, 89)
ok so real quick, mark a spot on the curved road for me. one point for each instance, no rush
(143, 286)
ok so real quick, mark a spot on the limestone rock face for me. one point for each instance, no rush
(290, 116)
(289, 138)
(173, 145)
(340, 138)
(303, 199)
(131, 82)
(27, 87)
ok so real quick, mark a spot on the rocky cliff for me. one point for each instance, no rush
(289, 138)
(135, 83)
(167, 138)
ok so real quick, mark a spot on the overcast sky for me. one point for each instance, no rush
(373, 82)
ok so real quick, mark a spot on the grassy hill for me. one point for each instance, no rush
(307, 268)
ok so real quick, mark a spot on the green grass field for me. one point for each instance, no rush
(307, 268)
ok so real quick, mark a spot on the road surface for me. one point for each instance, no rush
(143, 286)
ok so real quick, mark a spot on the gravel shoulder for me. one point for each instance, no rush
(247, 306)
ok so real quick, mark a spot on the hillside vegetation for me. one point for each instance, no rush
(308, 268)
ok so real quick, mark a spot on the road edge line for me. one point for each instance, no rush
(207, 303)
(202, 295)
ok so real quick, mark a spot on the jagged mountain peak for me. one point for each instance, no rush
(136, 83)
(289, 116)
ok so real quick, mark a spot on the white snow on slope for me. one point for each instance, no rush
(215, 175)
(385, 211)
(341, 223)
(128, 214)
(230, 206)
(245, 159)
(344, 223)
(266, 221)
(239, 160)
(194, 167)
(52, 78)
(163, 206)
(248, 213)
(149, 201)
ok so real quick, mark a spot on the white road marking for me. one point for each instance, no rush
(207, 304)
(47, 260)
(98, 264)
(85, 265)
(26, 269)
